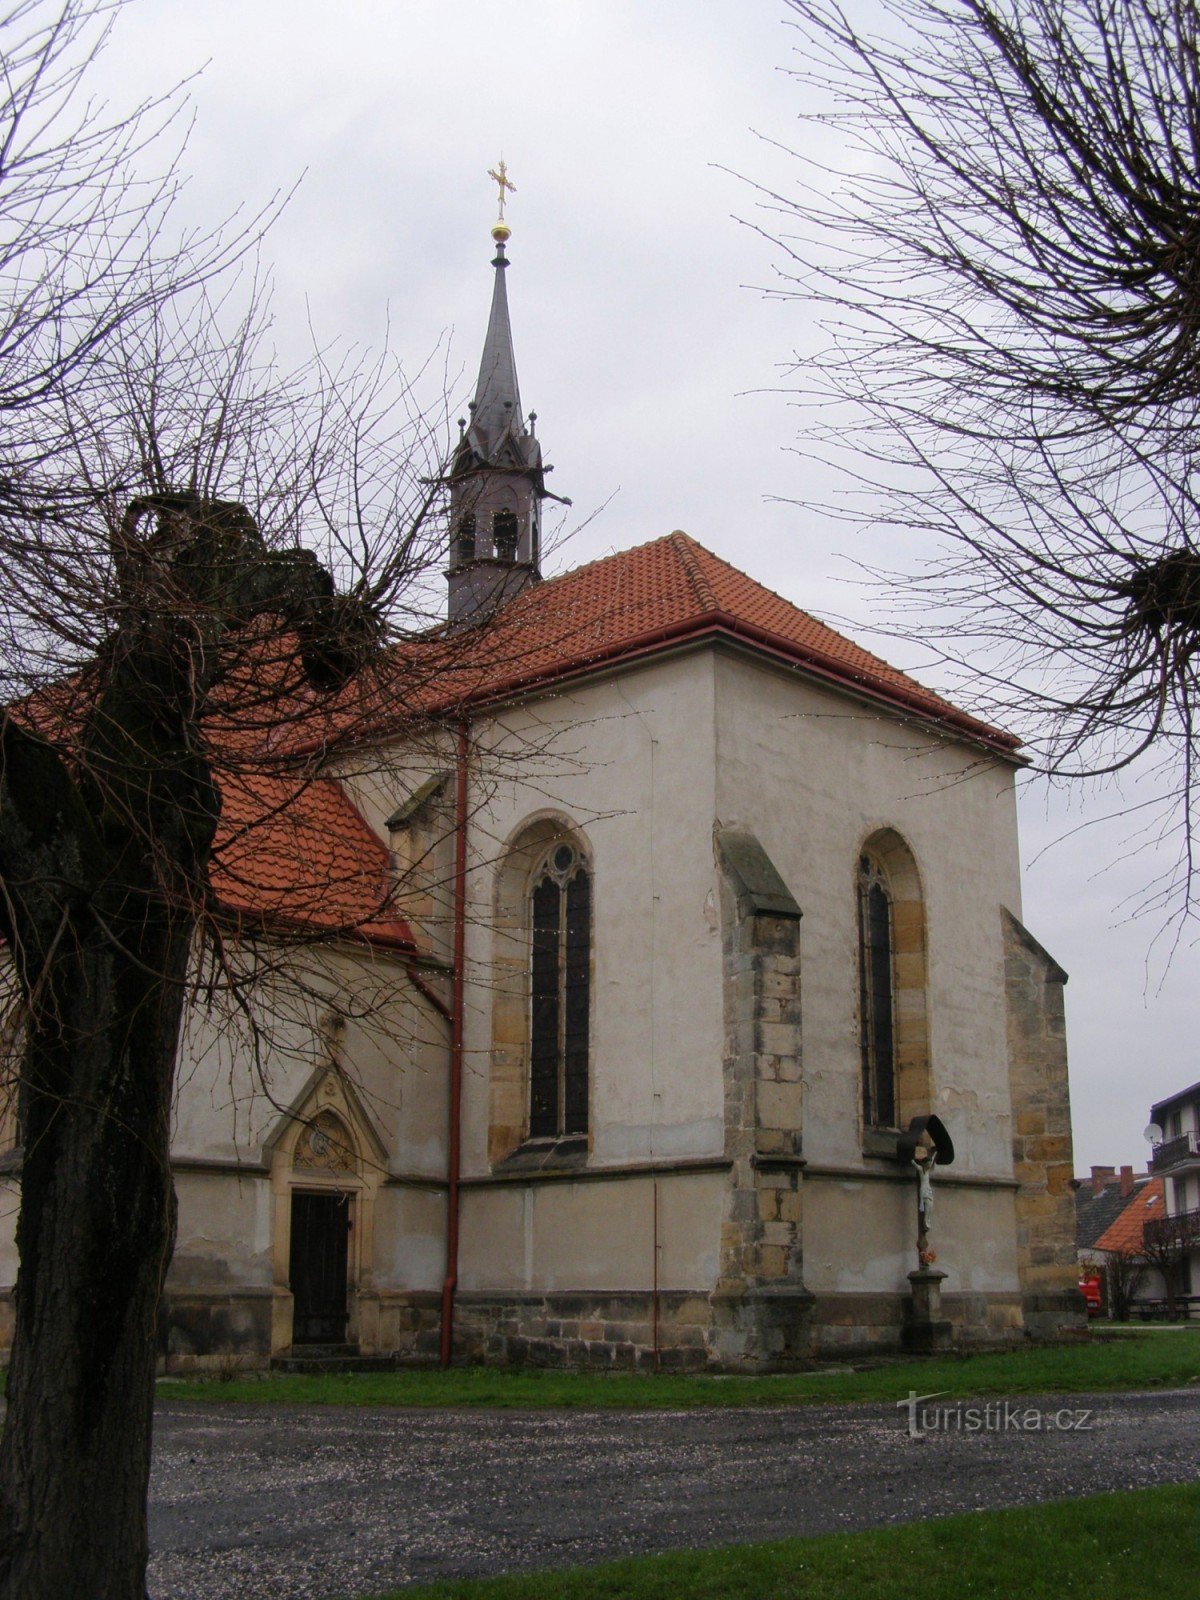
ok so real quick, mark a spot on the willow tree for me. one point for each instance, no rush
(1004, 255)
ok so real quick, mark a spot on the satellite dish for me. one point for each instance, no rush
(1153, 1133)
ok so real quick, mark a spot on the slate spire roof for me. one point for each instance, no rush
(497, 397)
(497, 434)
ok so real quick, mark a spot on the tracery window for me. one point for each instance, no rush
(560, 986)
(877, 988)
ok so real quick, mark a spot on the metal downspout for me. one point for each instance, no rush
(458, 977)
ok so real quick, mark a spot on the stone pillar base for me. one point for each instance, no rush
(761, 1328)
(927, 1332)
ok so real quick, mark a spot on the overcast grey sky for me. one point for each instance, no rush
(656, 364)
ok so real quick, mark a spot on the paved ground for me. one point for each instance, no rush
(300, 1505)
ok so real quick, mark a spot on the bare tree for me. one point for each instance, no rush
(1166, 1244)
(164, 649)
(1007, 267)
(1124, 1271)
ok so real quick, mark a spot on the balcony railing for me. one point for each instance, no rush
(1182, 1230)
(1173, 1151)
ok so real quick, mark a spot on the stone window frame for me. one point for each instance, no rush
(892, 857)
(509, 1069)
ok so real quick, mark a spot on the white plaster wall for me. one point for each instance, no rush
(230, 1101)
(233, 1091)
(555, 1237)
(224, 1235)
(813, 774)
(859, 1237)
(410, 1238)
(629, 761)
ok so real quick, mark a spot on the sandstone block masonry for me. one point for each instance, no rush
(760, 1306)
(1042, 1152)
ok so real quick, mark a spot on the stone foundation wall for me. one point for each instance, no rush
(222, 1331)
(406, 1324)
(209, 1332)
(616, 1330)
(843, 1325)
(595, 1330)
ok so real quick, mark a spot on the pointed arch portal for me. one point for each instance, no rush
(327, 1163)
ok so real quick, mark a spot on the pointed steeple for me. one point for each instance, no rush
(497, 402)
(497, 479)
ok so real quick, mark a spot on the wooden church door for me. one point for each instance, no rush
(320, 1229)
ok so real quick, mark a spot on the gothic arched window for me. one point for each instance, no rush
(560, 984)
(464, 538)
(504, 533)
(876, 968)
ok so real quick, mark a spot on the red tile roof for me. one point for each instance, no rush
(628, 605)
(297, 853)
(1124, 1236)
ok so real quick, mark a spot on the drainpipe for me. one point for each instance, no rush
(657, 1344)
(458, 977)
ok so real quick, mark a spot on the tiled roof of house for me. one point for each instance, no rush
(1096, 1211)
(1124, 1235)
(628, 605)
(298, 854)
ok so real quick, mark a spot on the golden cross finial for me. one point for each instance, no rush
(500, 175)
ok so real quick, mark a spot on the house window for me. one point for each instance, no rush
(876, 968)
(560, 983)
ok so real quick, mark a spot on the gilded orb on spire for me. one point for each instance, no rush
(499, 175)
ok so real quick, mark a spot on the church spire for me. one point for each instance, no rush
(497, 479)
(497, 403)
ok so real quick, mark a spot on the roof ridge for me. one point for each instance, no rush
(785, 600)
(685, 547)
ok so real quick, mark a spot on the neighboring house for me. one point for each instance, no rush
(1121, 1246)
(1099, 1201)
(697, 905)
(1176, 1160)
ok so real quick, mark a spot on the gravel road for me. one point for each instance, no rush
(306, 1504)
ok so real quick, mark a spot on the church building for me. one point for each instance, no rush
(674, 957)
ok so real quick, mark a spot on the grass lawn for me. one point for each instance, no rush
(1140, 1546)
(1133, 1361)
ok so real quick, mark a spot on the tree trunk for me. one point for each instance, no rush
(104, 848)
(95, 1236)
(101, 864)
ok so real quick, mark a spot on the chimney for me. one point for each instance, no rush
(1100, 1176)
(1126, 1180)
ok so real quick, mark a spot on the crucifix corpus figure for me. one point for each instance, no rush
(924, 1160)
(500, 175)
